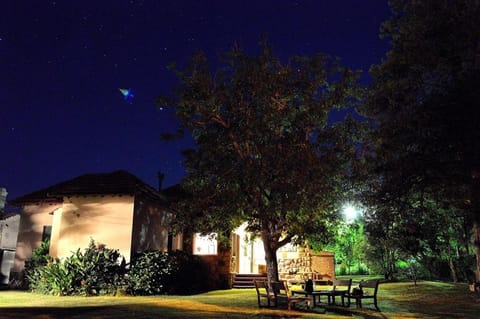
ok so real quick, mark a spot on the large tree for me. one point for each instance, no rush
(265, 152)
(425, 101)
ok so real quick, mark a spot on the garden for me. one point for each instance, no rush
(95, 283)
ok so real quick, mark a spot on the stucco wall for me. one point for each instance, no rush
(9, 232)
(150, 226)
(105, 219)
(8, 241)
(33, 218)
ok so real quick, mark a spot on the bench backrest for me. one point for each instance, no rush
(280, 289)
(344, 284)
(372, 285)
(261, 286)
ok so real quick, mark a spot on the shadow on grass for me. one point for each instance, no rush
(128, 312)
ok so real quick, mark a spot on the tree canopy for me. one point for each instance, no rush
(425, 103)
(265, 152)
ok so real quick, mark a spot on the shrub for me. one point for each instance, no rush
(40, 258)
(177, 272)
(149, 274)
(96, 271)
(191, 274)
(361, 270)
(341, 269)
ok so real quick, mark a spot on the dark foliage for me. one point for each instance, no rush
(424, 100)
(264, 153)
(177, 272)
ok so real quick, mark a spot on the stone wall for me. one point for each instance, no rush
(303, 263)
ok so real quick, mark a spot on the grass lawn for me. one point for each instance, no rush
(396, 300)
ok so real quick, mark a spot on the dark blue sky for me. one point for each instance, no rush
(62, 63)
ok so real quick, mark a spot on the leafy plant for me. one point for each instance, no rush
(40, 258)
(96, 271)
(177, 272)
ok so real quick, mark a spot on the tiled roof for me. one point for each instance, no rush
(115, 183)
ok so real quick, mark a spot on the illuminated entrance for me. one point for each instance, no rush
(247, 252)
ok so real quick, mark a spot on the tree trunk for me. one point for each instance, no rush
(475, 193)
(271, 259)
(453, 270)
(476, 242)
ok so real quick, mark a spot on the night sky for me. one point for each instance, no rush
(62, 64)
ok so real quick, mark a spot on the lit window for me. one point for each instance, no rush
(205, 244)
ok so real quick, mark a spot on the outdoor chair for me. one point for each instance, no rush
(261, 286)
(368, 290)
(282, 295)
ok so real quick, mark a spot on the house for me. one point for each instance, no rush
(115, 209)
(244, 259)
(120, 211)
(294, 262)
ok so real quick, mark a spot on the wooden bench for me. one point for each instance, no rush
(282, 295)
(369, 290)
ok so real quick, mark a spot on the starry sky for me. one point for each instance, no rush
(62, 64)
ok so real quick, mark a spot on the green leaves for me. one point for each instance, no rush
(155, 273)
(264, 152)
(424, 100)
(96, 271)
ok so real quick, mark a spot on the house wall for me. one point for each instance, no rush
(105, 219)
(9, 232)
(32, 221)
(219, 268)
(150, 226)
(8, 241)
(323, 265)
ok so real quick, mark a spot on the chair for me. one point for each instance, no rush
(339, 288)
(261, 286)
(369, 290)
(282, 295)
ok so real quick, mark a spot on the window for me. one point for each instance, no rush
(205, 244)
(47, 233)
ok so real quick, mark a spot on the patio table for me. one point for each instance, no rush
(314, 294)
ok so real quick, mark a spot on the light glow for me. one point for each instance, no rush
(350, 212)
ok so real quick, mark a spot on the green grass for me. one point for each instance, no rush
(396, 300)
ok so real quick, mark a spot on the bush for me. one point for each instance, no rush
(149, 274)
(97, 271)
(40, 258)
(361, 270)
(177, 272)
(341, 270)
(191, 275)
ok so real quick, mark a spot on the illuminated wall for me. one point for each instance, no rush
(105, 219)
(150, 231)
(33, 219)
